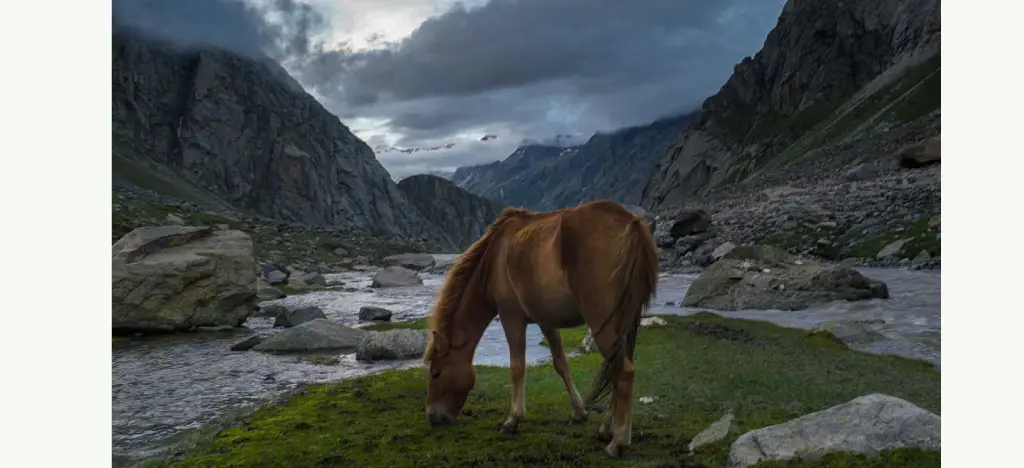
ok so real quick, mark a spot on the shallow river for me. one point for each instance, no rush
(164, 386)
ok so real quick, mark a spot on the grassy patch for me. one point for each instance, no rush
(571, 338)
(698, 367)
(922, 237)
(129, 215)
(417, 324)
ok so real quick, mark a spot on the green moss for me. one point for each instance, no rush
(418, 324)
(922, 237)
(572, 338)
(320, 359)
(698, 367)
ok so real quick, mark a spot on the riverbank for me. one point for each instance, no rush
(696, 368)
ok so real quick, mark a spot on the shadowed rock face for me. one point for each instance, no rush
(244, 132)
(818, 57)
(463, 215)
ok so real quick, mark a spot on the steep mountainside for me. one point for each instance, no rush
(614, 166)
(464, 215)
(827, 72)
(217, 128)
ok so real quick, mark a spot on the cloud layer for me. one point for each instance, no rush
(517, 69)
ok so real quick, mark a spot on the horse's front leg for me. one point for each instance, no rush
(561, 363)
(515, 334)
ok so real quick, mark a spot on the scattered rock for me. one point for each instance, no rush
(277, 277)
(690, 222)
(290, 318)
(865, 425)
(395, 276)
(861, 172)
(246, 343)
(176, 278)
(370, 313)
(721, 251)
(412, 261)
(922, 257)
(716, 432)
(646, 400)
(653, 322)
(920, 154)
(739, 281)
(394, 344)
(314, 335)
(892, 249)
(175, 219)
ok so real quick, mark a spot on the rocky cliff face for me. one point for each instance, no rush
(608, 166)
(464, 215)
(828, 71)
(211, 124)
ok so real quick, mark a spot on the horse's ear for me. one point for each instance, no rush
(440, 343)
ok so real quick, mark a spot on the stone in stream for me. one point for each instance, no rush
(865, 425)
(412, 261)
(177, 278)
(766, 277)
(246, 343)
(395, 276)
(400, 343)
(269, 294)
(314, 335)
(292, 317)
(266, 310)
(313, 279)
(370, 313)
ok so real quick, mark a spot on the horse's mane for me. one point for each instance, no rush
(460, 275)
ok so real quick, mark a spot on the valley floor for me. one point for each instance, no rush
(696, 368)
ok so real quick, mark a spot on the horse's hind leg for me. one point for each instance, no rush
(558, 358)
(515, 334)
(622, 410)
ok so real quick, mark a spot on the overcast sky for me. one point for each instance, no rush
(408, 73)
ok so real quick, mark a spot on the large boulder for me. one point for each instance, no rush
(400, 343)
(314, 335)
(412, 261)
(689, 222)
(920, 154)
(371, 313)
(765, 277)
(865, 425)
(175, 278)
(395, 276)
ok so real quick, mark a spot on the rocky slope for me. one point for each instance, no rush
(464, 215)
(798, 146)
(213, 127)
(549, 177)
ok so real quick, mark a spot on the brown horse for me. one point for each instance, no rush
(595, 264)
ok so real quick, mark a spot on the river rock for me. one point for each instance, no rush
(412, 261)
(370, 313)
(269, 310)
(269, 294)
(716, 432)
(314, 335)
(864, 425)
(246, 343)
(766, 277)
(721, 251)
(891, 250)
(277, 278)
(395, 276)
(394, 344)
(171, 278)
(313, 279)
(293, 317)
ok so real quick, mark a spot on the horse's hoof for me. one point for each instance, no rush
(508, 430)
(614, 450)
(578, 419)
(604, 436)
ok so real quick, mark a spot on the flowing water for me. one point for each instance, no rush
(166, 385)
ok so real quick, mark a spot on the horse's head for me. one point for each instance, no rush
(451, 378)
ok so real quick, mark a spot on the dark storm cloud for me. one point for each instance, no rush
(514, 68)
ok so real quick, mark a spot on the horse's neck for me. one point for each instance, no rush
(473, 318)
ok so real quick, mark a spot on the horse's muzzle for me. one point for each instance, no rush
(439, 418)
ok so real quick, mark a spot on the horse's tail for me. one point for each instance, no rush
(636, 279)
